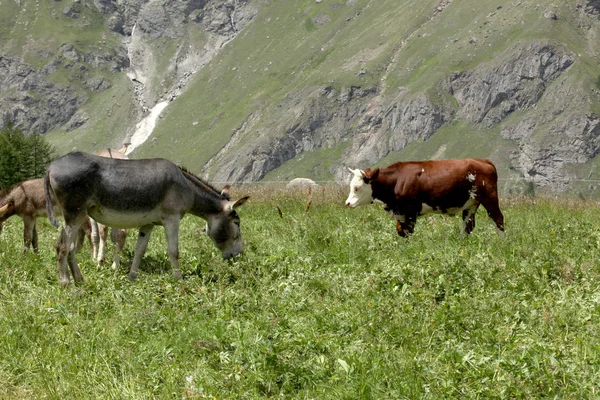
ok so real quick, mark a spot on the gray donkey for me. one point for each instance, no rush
(135, 194)
(100, 232)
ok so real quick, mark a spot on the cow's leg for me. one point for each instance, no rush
(172, 233)
(118, 237)
(405, 225)
(490, 203)
(103, 235)
(28, 228)
(468, 216)
(400, 229)
(140, 249)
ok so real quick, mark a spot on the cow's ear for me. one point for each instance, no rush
(370, 175)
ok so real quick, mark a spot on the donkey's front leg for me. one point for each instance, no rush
(118, 237)
(95, 239)
(172, 233)
(140, 249)
(102, 239)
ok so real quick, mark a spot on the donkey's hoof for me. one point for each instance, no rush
(177, 275)
(133, 276)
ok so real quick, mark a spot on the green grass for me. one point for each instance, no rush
(327, 304)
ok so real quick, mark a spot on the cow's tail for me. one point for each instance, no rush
(49, 208)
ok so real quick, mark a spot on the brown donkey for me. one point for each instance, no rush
(26, 199)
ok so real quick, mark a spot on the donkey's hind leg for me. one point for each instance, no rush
(34, 238)
(77, 276)
(62, 252)
(67, 239)
(28, 233)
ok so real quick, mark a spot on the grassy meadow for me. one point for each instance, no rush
(324, 304)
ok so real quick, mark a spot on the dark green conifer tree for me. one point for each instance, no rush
(22, 157)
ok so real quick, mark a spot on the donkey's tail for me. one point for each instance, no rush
(49, 208)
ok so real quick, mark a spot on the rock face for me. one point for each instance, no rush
(592, 7)
(30, 99)
(488, 94)
(147, 20)
(572, 140)
(51, 105)
(376, 125)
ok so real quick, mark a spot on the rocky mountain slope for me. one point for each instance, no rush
(247, 90)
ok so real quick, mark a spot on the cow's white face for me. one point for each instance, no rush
(361, 192)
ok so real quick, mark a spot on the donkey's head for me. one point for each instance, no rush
(6, 211)
(224, 229)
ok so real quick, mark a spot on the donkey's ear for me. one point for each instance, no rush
(240, 202)
(225, 191)
(3, 209)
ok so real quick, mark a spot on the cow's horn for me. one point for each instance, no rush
(357, 172)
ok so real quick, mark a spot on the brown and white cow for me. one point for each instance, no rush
(413, 188)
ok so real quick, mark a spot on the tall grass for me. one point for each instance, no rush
(326, 302)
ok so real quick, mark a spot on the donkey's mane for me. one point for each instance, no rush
(200, 181)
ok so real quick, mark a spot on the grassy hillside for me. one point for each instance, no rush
(281, 51)
(327, 304)
(286, 50)
(294, 47)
